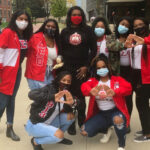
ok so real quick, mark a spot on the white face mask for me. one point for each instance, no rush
(21, 24)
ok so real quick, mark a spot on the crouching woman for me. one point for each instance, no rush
(107, 104)
(51, 112)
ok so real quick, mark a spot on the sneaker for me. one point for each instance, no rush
(66, 142)
(138, 133)
(120, 148)
(106, 137)
(142, 138)
(36, 147)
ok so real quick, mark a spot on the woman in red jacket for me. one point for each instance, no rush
(107, 104)
(13, 48)
(42, 53)
(140, 63)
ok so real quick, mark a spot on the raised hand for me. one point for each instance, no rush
(69, 98)
(58, 97)
(110, 93)
(94, 91)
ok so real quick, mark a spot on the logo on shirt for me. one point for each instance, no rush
(75, 39)
(23, 44)
(40, 54)
(44, 112)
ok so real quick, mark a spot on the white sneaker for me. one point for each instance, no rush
(106, 137)
(120, 148)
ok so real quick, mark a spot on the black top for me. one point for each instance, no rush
(44, 103)
(78, 45)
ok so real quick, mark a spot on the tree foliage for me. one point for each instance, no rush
(58, 8)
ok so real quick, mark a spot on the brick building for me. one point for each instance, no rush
(5, 10)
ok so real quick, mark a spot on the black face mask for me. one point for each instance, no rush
(140, 31)
(50, 32)
(64, 86)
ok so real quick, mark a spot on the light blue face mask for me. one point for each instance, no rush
(99, 32)
(102, 72)
(122, 29)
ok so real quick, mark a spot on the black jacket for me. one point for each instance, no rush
(44, 104)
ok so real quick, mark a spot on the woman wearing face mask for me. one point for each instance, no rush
(49, 118)
(13, 48)
(124, 27)
(101, 30)
(42, 53)
(107, 104)
(78, 49)
(140, 63)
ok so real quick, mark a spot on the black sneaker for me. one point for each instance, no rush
(66, 142)
(36, 147)
(138, 133)
(142, 139)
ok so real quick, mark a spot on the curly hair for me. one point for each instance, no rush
(105, 22)
(27, 33)
(100, 57)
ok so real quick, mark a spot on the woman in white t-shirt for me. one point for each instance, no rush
(124, 27)
(107, 105)
(42, 53)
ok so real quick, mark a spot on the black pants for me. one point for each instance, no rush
(125, 72)
(142, 100)
(76, 91)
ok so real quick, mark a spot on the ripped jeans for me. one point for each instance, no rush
(102, 121)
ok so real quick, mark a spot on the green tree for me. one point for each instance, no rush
(58, 8)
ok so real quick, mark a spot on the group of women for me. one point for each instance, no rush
(62, 69)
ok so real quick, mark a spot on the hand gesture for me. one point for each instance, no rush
(81, 73)
(110, 93)
(58, 97)
(94, 91)
(69, 98)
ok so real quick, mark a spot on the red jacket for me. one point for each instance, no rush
(9, 60)
(145, 64)
(37, 57)
(123, 90)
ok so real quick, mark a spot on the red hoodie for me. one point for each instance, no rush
(37, 57)
(123, 90)
(9, 60)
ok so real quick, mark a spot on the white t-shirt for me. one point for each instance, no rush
(55, 113)
(125, 57)
(105, 104)
(136, 62)
(52, 55)
(101, 48)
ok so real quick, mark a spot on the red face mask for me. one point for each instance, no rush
(76, 19)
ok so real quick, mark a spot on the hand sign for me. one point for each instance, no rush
(94, 91)
(69, 98)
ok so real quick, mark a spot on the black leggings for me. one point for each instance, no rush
(142, 100)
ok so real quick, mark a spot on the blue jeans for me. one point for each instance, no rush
(103, 120)
(8, 101)
(34, 84)
(45, 134)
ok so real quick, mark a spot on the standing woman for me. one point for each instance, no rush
(42, 53)
(140, 63)
(78, 49)
(124, 27)
(13, 48)
(101, 29)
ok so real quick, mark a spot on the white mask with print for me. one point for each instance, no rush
(21, 24)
